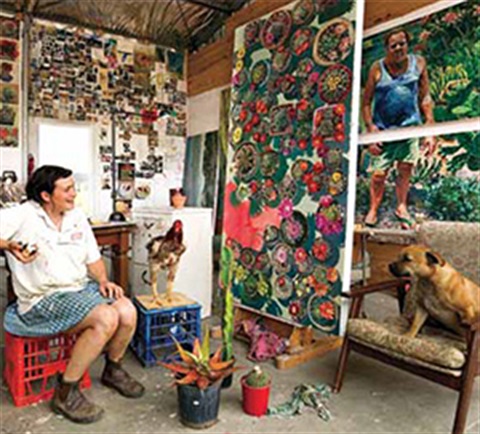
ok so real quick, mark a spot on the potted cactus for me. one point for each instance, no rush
(256, 392)
(227, 321)
(198, 376)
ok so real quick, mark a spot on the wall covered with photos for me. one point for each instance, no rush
(285, 197)
(10, 48)
(78, 75)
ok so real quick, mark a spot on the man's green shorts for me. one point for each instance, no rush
(406, 151)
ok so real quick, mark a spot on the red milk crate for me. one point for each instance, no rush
(32, 365)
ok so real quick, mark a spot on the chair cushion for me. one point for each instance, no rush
(433, 346)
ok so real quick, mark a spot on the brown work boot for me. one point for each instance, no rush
(70, 402)
(117, 378)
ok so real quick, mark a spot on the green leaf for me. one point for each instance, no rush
(205, 344)
(461, 110)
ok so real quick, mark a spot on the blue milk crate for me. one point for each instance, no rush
(153, 341)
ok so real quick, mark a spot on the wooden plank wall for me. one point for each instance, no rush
(210, 67)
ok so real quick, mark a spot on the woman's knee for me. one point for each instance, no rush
(106, 319)
(127, 313)
(379, 176)
(404, 168)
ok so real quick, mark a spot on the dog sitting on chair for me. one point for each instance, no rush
(164, 253)
(438, 290)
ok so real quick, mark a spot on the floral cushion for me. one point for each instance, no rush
(432, 346)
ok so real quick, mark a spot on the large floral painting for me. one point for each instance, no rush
(286, 187)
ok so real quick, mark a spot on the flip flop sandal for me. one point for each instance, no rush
(405, 222)
(371, 224)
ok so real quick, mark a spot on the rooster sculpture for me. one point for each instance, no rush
(164, 253)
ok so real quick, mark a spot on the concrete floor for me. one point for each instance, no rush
(375, 399)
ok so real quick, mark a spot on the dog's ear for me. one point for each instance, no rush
(434, 258)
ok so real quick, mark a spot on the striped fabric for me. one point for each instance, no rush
(55, 313)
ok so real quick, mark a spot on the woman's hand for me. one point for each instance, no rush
(429, 145)
(110, 290)
(24, 255)
(375, 149)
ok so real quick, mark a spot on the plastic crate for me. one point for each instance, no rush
(32, 365)
(155, 327)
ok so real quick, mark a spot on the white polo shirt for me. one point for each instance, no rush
(62, 255)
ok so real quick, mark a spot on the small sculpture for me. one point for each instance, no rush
(164, 253)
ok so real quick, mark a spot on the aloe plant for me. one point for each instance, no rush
(198, 367)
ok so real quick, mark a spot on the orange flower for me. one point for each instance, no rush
(332, 275)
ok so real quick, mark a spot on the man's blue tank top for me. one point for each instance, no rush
(396, 98)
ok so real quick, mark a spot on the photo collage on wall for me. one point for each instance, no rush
(443, 172)
(78, 75)
(285, 196)
(10, 47)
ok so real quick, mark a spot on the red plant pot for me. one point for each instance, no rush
(255, 399)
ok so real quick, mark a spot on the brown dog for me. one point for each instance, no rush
(438, 289)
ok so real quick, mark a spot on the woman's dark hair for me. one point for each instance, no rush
(43, 179)
(386, 38)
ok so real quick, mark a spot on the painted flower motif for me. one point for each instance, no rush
(450, 17)
(286, 208)
(281, 256)
(254, 187)
(313, 187)
(229, 242)
(303, 104)
(320, 251)
(322, 150)
(345, 44)
(327, 226)
(336, 177)
(326, 201)
(294, 308)
(240, 273)
(313, 77)
(241, 53)
(332, 275)
(424, 35)
(301, 255)
(262, 288)
(318, 167)
(293, 228)
(327, 310)
(239, 65)
(321, 288)
(237, 135)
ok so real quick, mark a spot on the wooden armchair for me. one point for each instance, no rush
(435, 354)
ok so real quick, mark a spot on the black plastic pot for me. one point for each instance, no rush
(198, 409)
(227, 382)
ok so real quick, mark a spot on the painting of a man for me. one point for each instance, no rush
(396, 95)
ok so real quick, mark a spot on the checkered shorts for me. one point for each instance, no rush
(55, 313)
